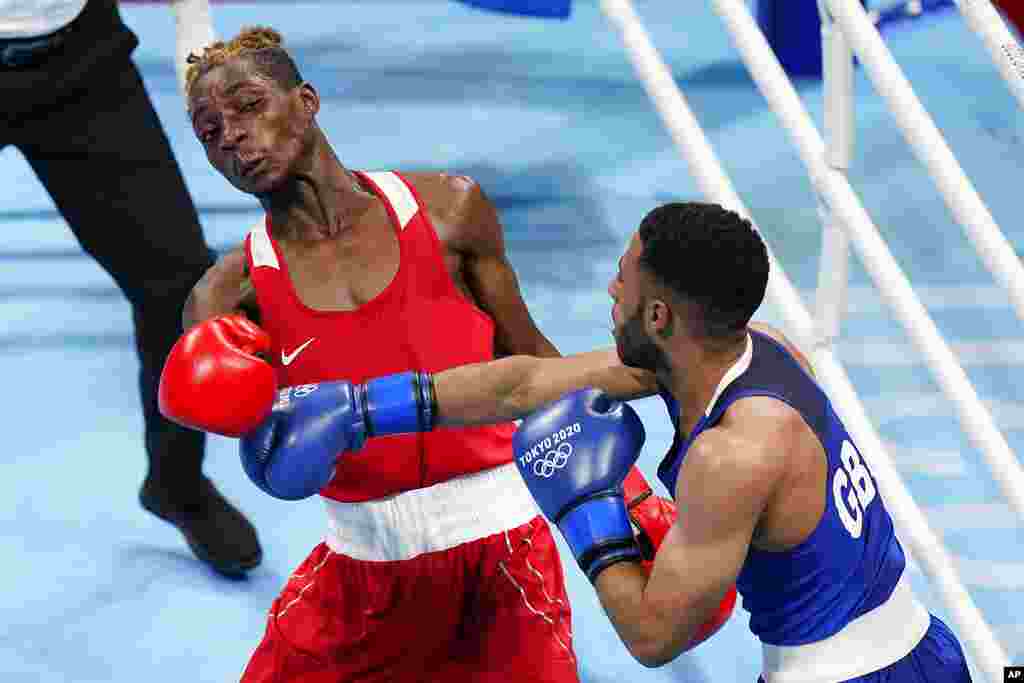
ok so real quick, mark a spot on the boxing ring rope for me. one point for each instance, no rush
(833, 188)
(930, 147)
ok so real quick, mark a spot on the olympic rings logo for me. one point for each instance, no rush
(304, 390)
(553, 460)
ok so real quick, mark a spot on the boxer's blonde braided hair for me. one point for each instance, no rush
(260, 43)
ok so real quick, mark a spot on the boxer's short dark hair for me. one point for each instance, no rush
(710, 255)
(259, 44)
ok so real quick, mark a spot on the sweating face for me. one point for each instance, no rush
(254, 132)
(635, 348)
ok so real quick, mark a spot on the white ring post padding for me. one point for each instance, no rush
(837, 63)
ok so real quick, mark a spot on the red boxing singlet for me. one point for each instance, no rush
(420, 321)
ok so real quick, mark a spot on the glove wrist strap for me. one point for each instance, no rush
(599, 533)
(404, 403)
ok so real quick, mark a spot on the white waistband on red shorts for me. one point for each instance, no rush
(870, 642)
(435, 518)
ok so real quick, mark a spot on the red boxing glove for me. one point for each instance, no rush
(652, 516)
(214, 381)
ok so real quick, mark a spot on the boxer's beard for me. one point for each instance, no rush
(636, 350)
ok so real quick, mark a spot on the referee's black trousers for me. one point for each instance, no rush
(83, 120)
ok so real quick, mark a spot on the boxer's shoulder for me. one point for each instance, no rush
(464, 218)
(222, 289)
(747, 455)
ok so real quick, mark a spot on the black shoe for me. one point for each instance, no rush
(215, 530)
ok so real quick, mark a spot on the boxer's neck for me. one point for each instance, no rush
(693, 375)
(322, 200)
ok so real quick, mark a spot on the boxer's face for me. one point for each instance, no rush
(254, 132)
(634, 345)
(623, 287)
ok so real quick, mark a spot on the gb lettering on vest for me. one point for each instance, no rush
(852, 489)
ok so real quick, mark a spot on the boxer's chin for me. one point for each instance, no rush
(267, 179)
(635, 349)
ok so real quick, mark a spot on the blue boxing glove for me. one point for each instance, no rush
(291, 454)
(573, 455)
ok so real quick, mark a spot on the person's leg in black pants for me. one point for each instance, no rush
(104, 158)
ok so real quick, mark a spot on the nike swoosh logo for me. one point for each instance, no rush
(287, 358)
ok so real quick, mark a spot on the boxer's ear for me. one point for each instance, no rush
(310, 99)
(658, 318)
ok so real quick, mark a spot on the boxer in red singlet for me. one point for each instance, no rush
(436, 564)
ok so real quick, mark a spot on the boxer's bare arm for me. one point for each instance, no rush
(513, 387)
(729, 477)
(224, 289)
(490, 276)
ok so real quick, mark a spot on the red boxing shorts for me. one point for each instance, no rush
(397, 592)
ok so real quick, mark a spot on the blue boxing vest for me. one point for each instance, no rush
(852, 560)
